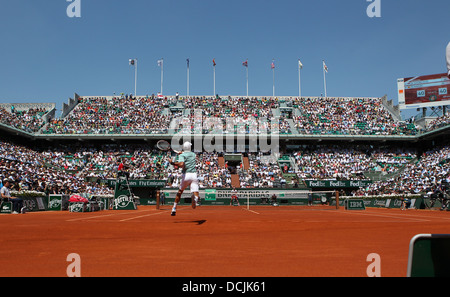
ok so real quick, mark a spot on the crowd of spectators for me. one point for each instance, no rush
(241, 115)
(30, 120)
(153, 115)
(140, 161)
(118, 115)
(144, 162)
(347, 116)
(432, 168)
(82, 168)
(261, 173)
(45, 171)
(439, 122)
(330, 162)
(337, 162)
(391, 160)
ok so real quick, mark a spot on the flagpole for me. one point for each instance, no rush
(133, 62)
(273, 80)
(324, 79)
(247, 78)
(299, 84)
(162, 74)
(214, 78)
(188, 77)
(135, 79)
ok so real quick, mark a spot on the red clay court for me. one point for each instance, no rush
(214, 241)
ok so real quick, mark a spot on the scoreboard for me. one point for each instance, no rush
(424, 91)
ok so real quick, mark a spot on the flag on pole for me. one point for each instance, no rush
(214, 62)
(325, 67)
(245, 63)
(132, 62)
(160, 62)
(272, 66)
(300, 65)
(187, 60)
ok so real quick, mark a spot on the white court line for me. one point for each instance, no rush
(147, 215)
(120, 212)
(151, 214)
(386, 216)
(251, 210)
(430, 216)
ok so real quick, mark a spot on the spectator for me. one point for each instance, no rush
(6, 196)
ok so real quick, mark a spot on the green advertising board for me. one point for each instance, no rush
(34, 203)
(124, 202)
(5, 207)
(389, 202)
(84, 207)
(123, 198)
(54, 202)
(354, 204)
(210, 195)
(77, 207)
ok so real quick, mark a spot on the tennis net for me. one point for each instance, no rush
(257, 197)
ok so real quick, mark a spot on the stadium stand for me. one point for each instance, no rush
(348, 116)
(29, 120)
(54, 162)
(114, 115)
(439, 122)
(51, 171)
(431, 169)
(153, 115)
(71, 170)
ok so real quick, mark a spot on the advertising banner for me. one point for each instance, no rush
(123, 198)
(337, 184)
(137, 183)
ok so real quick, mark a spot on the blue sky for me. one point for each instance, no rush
(45, 56)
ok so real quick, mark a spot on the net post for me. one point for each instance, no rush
(157, 198)
(337, 199)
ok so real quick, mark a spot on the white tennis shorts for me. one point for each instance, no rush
(189, 179)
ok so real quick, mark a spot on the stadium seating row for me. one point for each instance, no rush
(152, 115)
(79, 168)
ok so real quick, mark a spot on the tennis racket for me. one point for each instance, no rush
(164, 145)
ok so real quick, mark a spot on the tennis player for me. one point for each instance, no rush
(186, 161)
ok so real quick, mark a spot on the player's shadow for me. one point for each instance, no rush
(198, 222)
